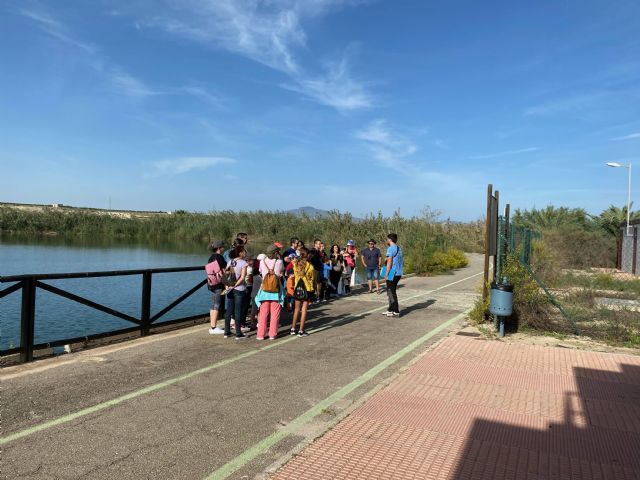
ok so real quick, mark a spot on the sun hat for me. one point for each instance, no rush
(216, 244)
(261, 257)
(277, 244)
(271, 249)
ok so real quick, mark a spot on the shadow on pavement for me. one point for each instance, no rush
(599, 437)
(416, 306)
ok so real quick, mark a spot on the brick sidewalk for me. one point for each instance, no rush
(479, 409)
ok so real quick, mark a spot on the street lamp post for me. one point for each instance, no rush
(617, 165)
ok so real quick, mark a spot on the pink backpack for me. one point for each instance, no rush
(214, 274)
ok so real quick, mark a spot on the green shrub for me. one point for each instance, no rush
(421, 237)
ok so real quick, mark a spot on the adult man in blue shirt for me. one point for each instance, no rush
(393, 273)
(372, 261)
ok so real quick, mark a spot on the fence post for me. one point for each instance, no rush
(146, 303)
(634, 252)
(500, 250)
(27, 319)
(485, 291)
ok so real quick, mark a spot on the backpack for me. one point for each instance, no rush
(349, 260)
(270, 282)
(300, 292)
(229, 278)
(291, 285)
(214, 274)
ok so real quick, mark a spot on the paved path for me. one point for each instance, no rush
(480, 409)
(189, 405)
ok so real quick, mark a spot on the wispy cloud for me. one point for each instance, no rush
(56, 29)
(130, 85)
(388, 148)
(269, 33)
(201, 93)
(177, 166)
(569, 104)
(505, 154)
(117, 77)
(631, 136)
(337, 88)
(397, 152)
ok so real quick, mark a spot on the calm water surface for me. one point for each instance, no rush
(58, 318)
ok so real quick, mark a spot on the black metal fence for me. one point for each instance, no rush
(29, 284)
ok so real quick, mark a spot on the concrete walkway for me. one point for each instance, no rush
(480, 409)
(189, 405)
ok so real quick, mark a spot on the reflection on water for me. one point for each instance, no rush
(58, 318)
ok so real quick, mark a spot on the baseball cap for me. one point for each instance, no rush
(277, 244)
(216, 244)
(351, 242)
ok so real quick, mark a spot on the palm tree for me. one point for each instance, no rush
(613, 218)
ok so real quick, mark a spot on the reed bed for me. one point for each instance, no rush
(421, 237)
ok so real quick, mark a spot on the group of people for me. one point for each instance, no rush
(251, 292)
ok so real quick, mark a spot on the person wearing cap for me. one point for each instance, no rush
(352, 251)
(270, 303)
(372, 262)
(217, 247)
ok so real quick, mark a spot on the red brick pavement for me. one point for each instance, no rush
(480, 409)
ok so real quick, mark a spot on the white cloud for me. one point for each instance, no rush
(269, 33)
(337, 88)
(505, 154)
(56, 29)
(129, 85)
(569, 104)
(396, 152)
(177, 166)
(201, 93)
(631, 136)
(115, 75)
(388, 148)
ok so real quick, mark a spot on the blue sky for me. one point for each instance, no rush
(341, 104)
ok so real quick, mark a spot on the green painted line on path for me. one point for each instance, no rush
(158, 386)
(259, 448)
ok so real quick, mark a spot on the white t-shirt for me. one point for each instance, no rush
(238, 264)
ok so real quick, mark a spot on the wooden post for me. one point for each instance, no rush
(495, 257)
(487, 226)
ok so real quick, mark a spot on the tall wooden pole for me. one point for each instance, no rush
(487, 227)
(495, 257)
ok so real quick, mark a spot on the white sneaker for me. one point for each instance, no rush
(216, 331)
(386, 314)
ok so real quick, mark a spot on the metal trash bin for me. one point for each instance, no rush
(501, 299)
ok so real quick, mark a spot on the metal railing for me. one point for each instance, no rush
(29, 285)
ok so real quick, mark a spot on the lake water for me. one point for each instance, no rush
(58, 318)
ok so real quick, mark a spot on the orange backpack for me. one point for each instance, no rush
(291, 284)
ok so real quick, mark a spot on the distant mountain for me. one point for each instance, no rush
(309, 211)
(313, 212)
